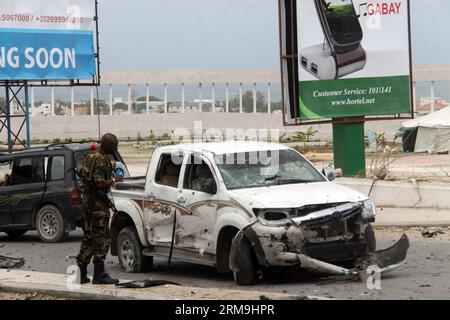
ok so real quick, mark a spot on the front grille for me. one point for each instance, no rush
(335, 217)
(305, 210)
(343, 225)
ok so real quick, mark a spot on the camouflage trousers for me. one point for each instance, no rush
(97, 238)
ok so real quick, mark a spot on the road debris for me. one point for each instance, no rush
(432, 232)
(10, 263)
(140, 284)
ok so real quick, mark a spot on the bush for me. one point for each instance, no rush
(165, 136)
(35, 141)
(152, 136)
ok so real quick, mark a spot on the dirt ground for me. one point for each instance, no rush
(416, 233)
(27, 296)
(424, 275)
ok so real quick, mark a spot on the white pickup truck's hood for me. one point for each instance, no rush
(297, 195)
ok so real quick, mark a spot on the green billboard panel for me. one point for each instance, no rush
(345, 58)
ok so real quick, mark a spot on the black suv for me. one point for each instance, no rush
(39, 190)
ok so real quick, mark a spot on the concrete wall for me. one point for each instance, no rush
(402, 194)
(420, 73)
(83, 127)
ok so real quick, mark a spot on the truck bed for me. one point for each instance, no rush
(132, 186)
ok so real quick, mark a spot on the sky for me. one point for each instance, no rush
(228, 34)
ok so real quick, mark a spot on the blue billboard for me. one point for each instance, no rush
(47, 40)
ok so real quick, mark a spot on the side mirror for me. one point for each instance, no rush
(330, 173)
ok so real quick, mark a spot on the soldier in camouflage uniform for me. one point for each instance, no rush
(96, 174)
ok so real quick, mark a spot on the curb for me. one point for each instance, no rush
(18, 281)
(93, 294)
(83, 294)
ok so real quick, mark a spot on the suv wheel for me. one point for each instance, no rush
(246, 264)
(130, 254)
(50, 224)
(15, 233)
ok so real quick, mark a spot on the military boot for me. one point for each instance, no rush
(101, 277)
(83, 273)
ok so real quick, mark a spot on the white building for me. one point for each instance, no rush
(44, 109)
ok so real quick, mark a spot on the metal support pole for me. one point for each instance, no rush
(12, 97)
(227, 97)
(414, 96)
(111, 102)
(147, 99)
(240, 99)
(213, 97)
(200, 97)
(52, 102)
(254, 98)
(432, 97)
(72, 101)
(92, 101)
(183, 99)
(166, 98)
(8, 117)
(129, 99)
(349, 148)
(269, 97)
(27, 115)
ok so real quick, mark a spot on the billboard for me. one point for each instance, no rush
(47, 39)
(346, 58)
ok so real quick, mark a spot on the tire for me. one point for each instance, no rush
(16, 233)
(129, 251)
(370, 238)
(246, 264)
(50, 224)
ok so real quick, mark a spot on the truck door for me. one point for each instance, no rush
(28, 180)
(196, 228)
(160, 198)
(5, 192)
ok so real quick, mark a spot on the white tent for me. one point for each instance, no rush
(433, 133)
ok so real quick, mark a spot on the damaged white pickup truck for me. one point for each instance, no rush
(244, 207)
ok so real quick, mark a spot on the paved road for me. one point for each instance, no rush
(426, 274)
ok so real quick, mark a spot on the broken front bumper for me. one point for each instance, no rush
(385, 260)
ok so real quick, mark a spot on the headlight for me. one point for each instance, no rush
(273, 217)
(369, 211)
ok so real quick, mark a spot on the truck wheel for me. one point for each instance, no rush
(50, 224)
(246, 264)
(130, 254)
(370, 238)
(15, 233)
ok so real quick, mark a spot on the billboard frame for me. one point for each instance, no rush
(94, 82)
(289, 65)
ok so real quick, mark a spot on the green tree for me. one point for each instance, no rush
(247, 102)
(121, 106)
(102, 105)
(150, 98)
(276, 106)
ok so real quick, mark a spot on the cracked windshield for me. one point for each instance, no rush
(260, 169)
